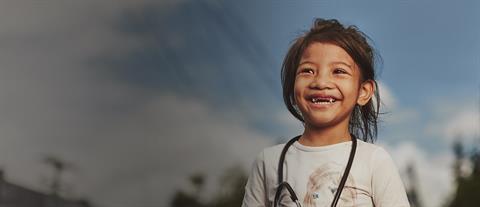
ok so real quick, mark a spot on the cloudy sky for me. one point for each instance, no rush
(138, 95)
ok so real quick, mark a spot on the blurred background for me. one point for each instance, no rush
(146, 103)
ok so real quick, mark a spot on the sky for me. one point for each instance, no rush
(138, 95)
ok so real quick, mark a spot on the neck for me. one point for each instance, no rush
(317, 136)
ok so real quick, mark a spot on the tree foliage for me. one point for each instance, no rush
(229, 194)
(467, 193)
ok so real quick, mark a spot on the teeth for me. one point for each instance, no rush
(323, 101)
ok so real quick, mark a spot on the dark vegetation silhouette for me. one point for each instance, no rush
(14, 195)
(229, 193)
(466, 169)
(467, 190)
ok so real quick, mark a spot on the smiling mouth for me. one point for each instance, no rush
(323, 100)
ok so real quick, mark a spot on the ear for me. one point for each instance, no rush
(367, 88)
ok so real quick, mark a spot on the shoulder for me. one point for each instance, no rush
(377, 159)
(372, 155)
(386, 185)
(372, 150)
(270, 154)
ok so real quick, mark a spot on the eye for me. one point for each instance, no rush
(305, 70)
(339, 71)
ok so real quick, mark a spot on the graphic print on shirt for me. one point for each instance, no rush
(322, 186)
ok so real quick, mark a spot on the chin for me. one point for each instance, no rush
(321, 122)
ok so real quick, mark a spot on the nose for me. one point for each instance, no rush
(322, 80)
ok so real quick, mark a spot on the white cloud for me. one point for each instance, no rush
(450, 122)
(178, 137)
(133, 158)
(433, 171)
(387, 98)
(466, 123)
(394, 113)
(129, 146)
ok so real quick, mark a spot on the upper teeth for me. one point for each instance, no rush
(320, 100)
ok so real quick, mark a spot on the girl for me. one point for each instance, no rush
(328, 81)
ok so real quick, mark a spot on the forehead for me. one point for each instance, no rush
(319, 52)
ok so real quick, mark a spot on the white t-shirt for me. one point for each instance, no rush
(315, 172)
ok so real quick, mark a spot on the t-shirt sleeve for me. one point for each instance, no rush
(255, 189)
(387, 187)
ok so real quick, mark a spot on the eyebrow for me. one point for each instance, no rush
(342, 63)
(333, 63)
(305, 62)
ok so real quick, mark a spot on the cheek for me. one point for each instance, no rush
(351, 90)
(296, 94)
(298, 88)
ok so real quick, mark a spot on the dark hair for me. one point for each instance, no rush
(363, 122)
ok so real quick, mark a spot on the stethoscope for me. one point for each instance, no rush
(283, 184)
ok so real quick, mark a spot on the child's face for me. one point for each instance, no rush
(327, 85)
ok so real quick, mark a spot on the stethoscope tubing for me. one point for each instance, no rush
(293, 196)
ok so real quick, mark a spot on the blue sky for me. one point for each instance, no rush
(148, 92)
